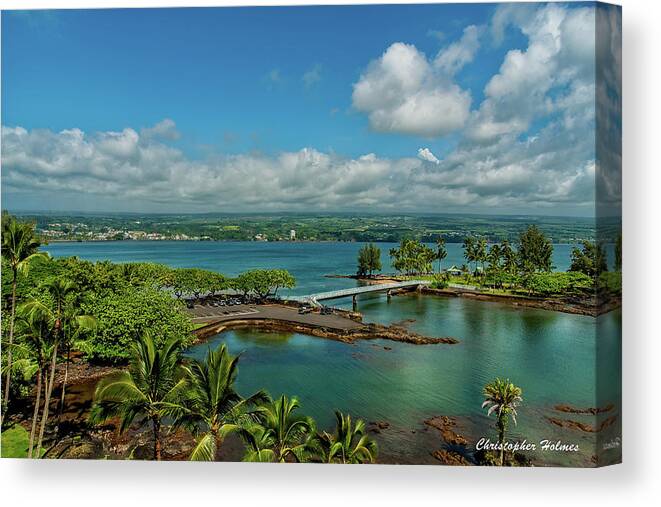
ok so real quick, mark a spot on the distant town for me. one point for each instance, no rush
(301, 227)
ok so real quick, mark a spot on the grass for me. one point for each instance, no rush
(15, 442)
(198, 325)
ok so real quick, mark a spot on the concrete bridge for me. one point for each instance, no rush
(314, 299)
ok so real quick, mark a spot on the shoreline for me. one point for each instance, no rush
(591, 308)
(370, 331)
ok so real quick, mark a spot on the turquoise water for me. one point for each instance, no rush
(308, 261)
(551, 355)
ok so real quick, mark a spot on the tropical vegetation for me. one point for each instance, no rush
(369, 260)
(502, 397)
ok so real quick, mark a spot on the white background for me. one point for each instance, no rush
(101, 483)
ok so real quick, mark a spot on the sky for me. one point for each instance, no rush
(476, 108)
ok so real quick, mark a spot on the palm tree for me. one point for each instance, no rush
(494, 258)
(509, 256)
(213, 404)
(283, 433)
(470, 253)
(74, 328)
(259, 443)
(502, 397)
(19, 247)
(480, 253)
(349, 444)
(441, 251)
(153, 388)
(51, 311)
(32, 348)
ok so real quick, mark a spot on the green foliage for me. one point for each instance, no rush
(441, 251)
(152, 389)
(213, 408)
(591, 259)
(440, 281)
(195, 282)
(281, 431)
(15, 442)
(348, 444)
(412, 257)
(369, 260)
(535, 250)
(123, 317)
(263, 282)
(611, 281)
(502, 397)
(557, 283)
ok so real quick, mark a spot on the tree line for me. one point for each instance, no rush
(528, 265)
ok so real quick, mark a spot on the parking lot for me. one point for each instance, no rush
(204, 314)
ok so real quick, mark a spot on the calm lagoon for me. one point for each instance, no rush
(551, 355)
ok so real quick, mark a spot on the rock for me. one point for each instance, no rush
(387, 348)
(445, 424)
(450, 458)
(581, 426)
(592, 410)
(83, 450)
(377, 426)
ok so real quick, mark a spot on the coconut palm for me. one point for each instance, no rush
(31, 349)
(481, 253)
(50, 310)
(349, 444)
(502, 397)
(509, 257)
(213, 408)
(259, 442)
(153, 388)
(470, 252)
(283, 433)
(441, 251)
(19, 248)
(75, 327)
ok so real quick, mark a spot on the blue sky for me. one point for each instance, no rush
(242, 89)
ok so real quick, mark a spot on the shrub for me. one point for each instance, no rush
(122, 317)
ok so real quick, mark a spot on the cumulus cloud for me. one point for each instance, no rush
(402, 92)
(555, 73)
(453, 58)
(426, 154)
(164, 129)
(526, 147)
(137, 172)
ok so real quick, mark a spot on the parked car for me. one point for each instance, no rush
(302, 310)
(326, 310)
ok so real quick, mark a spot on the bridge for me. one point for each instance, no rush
(314, 299)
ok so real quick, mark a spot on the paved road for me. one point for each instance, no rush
(203, 314)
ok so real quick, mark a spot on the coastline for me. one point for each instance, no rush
(370, 331)
(592, 307)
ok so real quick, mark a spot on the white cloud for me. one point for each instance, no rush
(559, 56)
(402, 92)
(164, 129)
(453, 58)
(426, 154)
(497, 162)
(129, 171)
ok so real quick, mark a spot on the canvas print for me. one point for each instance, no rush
(375, 234)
